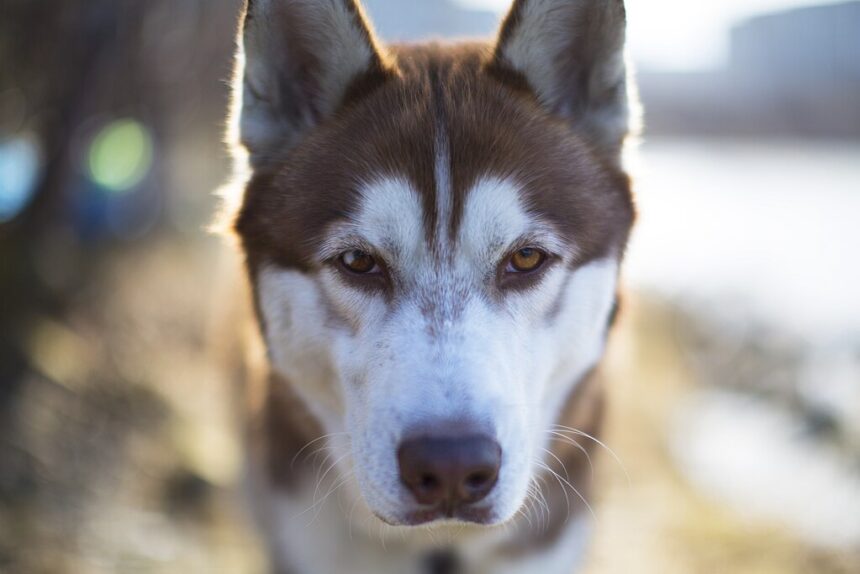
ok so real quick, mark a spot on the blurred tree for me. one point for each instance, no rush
(69, 69)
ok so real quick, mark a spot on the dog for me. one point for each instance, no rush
(432, 236)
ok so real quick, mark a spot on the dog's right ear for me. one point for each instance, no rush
(571, 54)
(297, 61)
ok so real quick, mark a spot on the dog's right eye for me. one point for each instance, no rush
(359, 262)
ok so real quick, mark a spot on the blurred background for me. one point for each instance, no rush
(735, 372)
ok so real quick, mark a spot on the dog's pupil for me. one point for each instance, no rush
(526, 259)
(359, 261)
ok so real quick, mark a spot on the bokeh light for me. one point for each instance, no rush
(19, 171)
(120, 155)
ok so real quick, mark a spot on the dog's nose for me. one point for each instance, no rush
(449, 472)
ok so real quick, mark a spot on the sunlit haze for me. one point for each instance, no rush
(680, 34)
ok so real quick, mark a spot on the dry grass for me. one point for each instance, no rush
(658, 523)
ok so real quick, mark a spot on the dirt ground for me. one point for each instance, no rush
(118, 451)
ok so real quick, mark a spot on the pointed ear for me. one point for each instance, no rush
(297, 61)
(571, 53)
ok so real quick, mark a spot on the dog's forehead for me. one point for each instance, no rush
(390, 219)
(445, 151)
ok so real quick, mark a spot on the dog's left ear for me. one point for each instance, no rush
(298, 59)
(571, 53)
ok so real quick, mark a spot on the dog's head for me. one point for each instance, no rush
(434, 234)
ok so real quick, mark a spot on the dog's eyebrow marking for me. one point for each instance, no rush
(493, 215)
(388, 217)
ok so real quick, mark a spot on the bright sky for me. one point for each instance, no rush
(681, 34)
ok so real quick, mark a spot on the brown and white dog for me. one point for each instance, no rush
(433, 234)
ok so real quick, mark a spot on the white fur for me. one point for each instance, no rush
(392, 366)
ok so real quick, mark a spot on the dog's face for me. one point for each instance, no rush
(434, 236)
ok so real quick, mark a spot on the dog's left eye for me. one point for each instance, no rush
(526, 260)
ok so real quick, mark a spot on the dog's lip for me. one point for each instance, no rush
(481, 516)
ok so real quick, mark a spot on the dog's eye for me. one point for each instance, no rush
(359, 262)
(526, 260)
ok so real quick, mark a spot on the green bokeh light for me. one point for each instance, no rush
(120, 155)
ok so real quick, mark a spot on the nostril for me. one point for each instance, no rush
(477, 480)
(429, 482)
(478, 484)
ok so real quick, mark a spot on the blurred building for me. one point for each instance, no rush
(443, 18)
(818, 42)
(793, 73)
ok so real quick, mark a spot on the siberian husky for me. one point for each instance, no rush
(433, 236)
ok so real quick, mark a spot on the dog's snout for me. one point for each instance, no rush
(449, 472)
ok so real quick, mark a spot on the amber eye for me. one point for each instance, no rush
(526, 260)
(359, 262)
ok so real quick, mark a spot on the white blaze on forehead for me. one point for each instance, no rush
(389, 218)
(390, 213)
(495, 217)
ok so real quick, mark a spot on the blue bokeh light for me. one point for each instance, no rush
(19, 172)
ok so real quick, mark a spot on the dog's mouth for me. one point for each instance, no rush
(479, 516)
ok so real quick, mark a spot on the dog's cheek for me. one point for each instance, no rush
(579, 330)
(298, 335)
(362, 360)
(546, 342)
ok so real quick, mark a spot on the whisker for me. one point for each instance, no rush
(317, 504)
(526, 511)
(567, 440)
(599, 443)
(328, 470)
(546, 513)
(575, 491)
(558, 478)
(314, 441)
(382, 531)
(351, 512)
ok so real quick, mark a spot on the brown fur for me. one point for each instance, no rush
(491, 130)
(285, 433)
